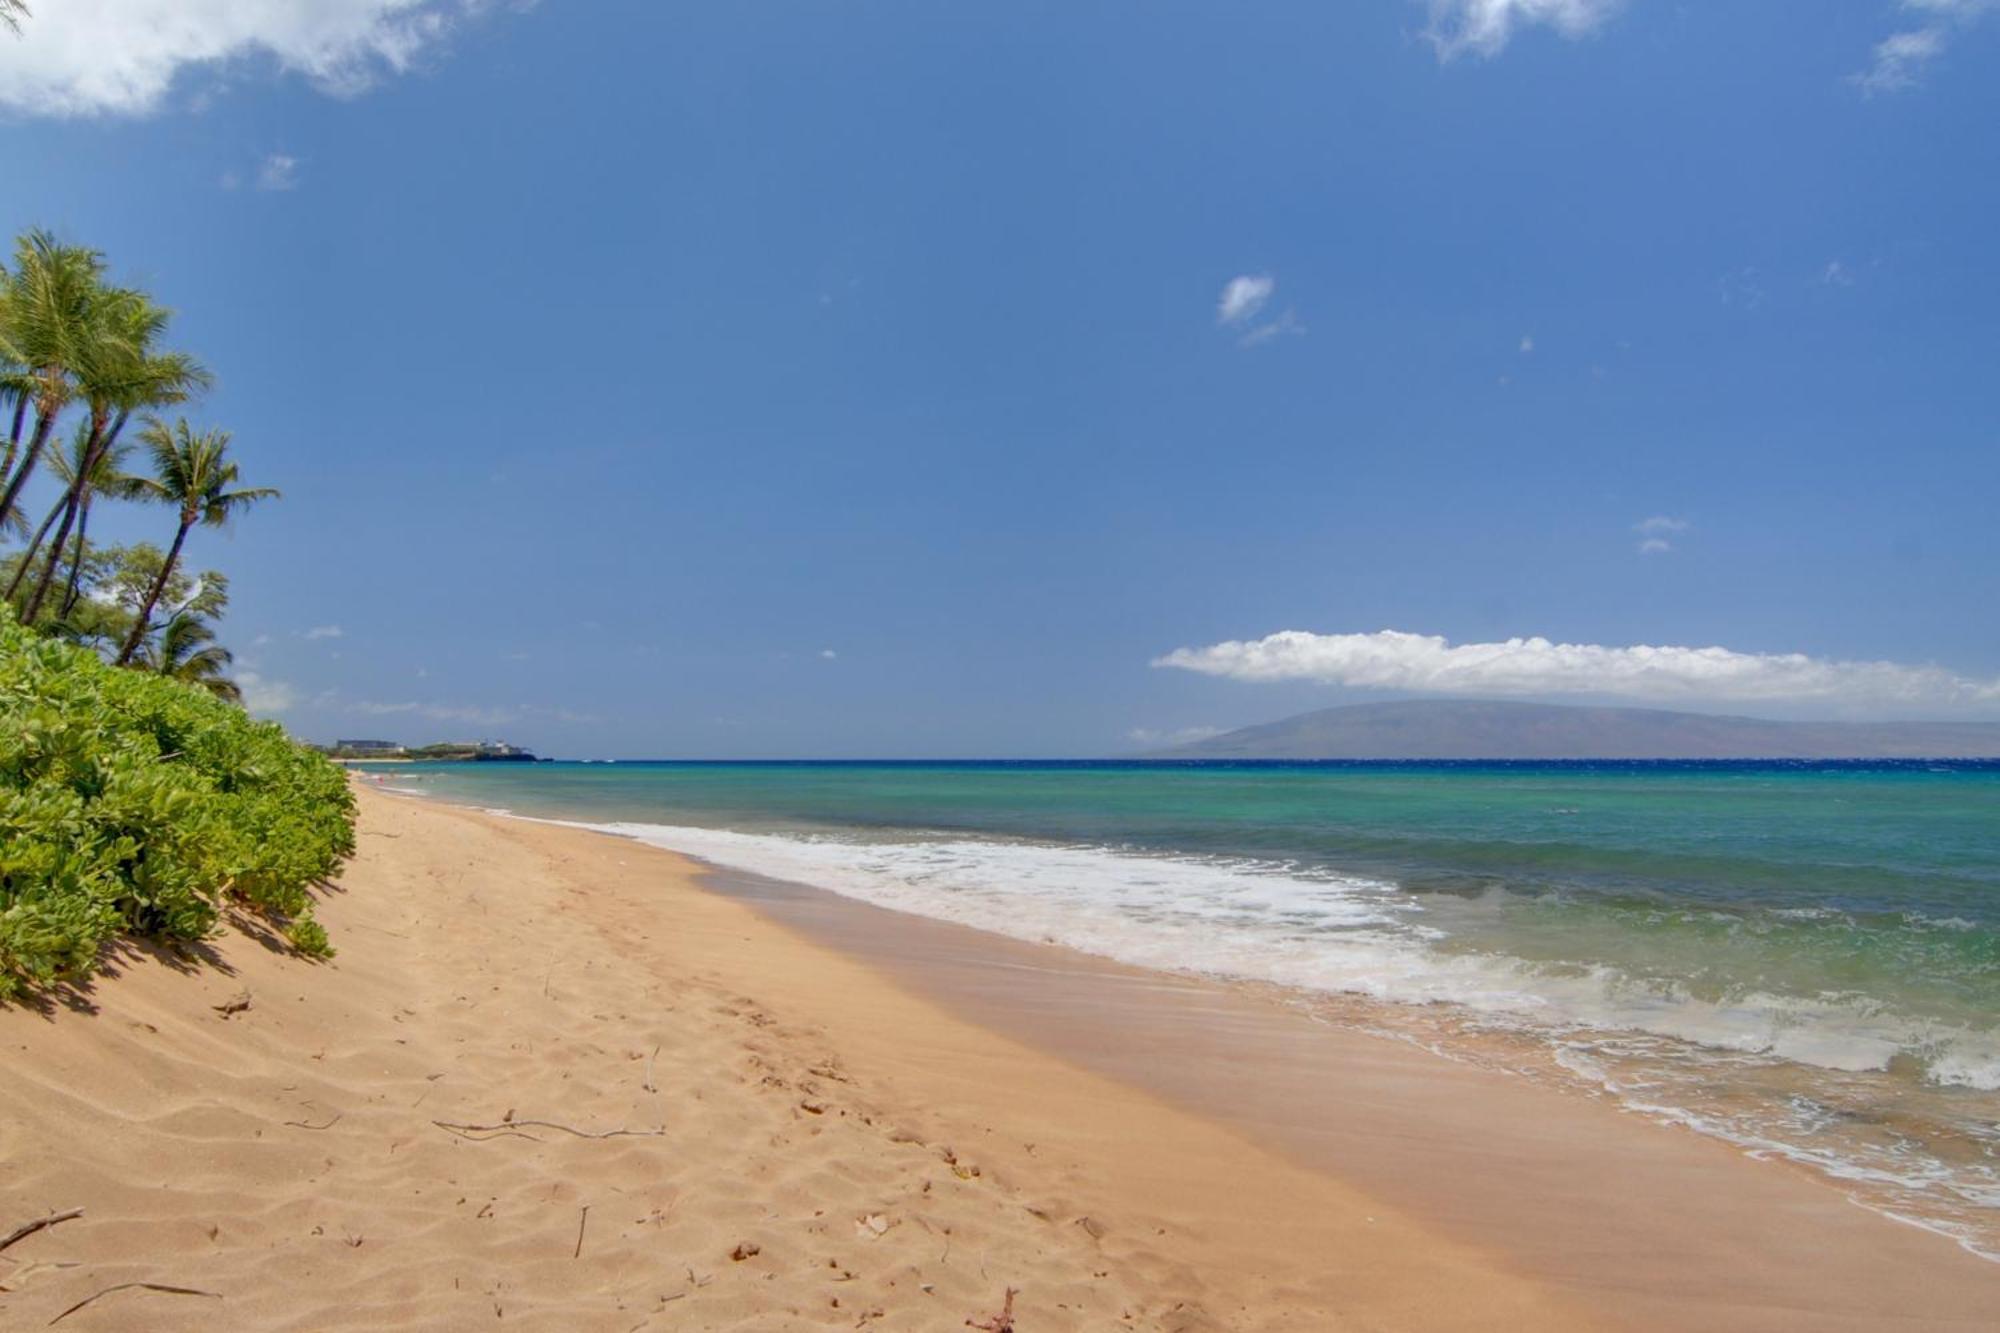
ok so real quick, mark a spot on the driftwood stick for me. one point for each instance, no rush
(514, 1127)
(128, 1286)
(27, 1229)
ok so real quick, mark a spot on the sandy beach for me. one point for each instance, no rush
(557, 1080)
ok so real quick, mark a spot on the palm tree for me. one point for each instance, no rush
(186, 650)
(120, 374)
(12, 12)
(195, 475)
(53, 296)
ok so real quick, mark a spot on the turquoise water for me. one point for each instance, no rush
(1802, 958)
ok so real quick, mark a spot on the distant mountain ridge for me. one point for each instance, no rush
(1489, 729)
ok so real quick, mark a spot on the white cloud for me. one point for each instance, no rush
(1902, 58)
(1835, 274)
(1527, 343)
(325, 632)
(1243, 297)
(263, 696)
(1424, 663)
(279, 171)
(1655, 546)
(828, 654)
(1484, 27)
(122, 57)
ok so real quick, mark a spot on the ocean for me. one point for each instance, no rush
(1801, 958)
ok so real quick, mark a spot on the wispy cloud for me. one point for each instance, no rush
(472, 714)
(1835, 274)
(1527, 344)
(1425, 663)
(1286, 325)
(1242, 297)
(278, 171)
(485, 717)
(827, 654)
(1656, 533)
(1902, 58)
(1484, 27)
(263, 696)
(324, 632)
(123, 57)
(1171, 735)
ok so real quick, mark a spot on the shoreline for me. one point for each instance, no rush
(1116, 1144)
(799, 1142)
(1693, 1206)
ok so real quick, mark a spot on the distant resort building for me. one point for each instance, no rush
(368, 747)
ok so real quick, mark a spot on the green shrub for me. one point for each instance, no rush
(133, 804)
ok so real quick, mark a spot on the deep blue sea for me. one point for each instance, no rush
(1800, 957)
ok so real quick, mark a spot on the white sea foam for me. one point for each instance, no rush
(1661, 1051)
(1312, 929)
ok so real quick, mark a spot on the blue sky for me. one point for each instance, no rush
(860, 379)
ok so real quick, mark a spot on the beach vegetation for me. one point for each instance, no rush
(137, 799)
(135, 805)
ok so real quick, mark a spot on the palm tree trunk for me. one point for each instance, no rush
(75, 586)
(14, 436)
(70, 504)
(28, 556)
(44, 419)
(79, 486)
(138, 633)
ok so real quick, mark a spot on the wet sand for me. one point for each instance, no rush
(1648, 1225)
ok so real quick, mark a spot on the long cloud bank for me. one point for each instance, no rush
(1431, 664)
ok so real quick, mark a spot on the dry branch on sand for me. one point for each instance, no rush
(131, 1286)
(27, 1229)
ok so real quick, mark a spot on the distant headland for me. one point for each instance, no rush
(1489, 729)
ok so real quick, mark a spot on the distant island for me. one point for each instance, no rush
(1488, 729)
(440, 752)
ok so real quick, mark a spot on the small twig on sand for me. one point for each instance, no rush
(581, 1218)
(475, 1132)
(128, 1286)
(648, 1084)
(999, 1323)
(300, 1124)
(481, 1138)
(27, 1229)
